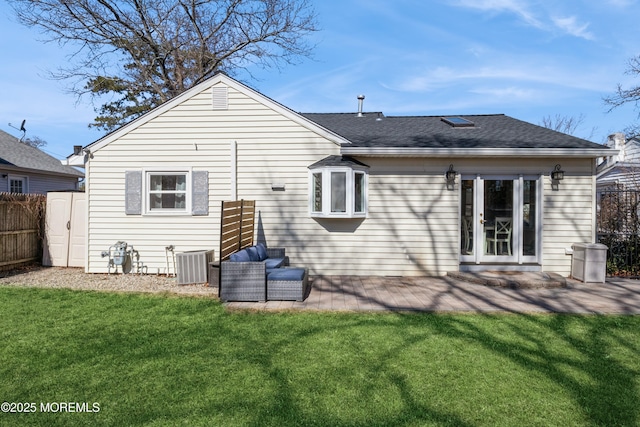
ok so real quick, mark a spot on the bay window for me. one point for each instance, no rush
(338, 189)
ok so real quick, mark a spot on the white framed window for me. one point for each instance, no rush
(338, 192)
(18, 184)
(167, 192)
(159, 192)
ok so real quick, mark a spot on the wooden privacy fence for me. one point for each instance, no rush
(21, 227)
(236, 226)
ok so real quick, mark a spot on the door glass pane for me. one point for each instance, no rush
(338, 192)
(498, 217)
(466, 242)
(529, 218)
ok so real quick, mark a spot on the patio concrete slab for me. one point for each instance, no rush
(450, 294)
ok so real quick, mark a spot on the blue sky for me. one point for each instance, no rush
(527, 59)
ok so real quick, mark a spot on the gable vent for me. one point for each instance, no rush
(220, 98)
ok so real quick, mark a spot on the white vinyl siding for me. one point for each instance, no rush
(412, 225)
(569, 217)
(408, 230)
(621, 176)
(269, 148)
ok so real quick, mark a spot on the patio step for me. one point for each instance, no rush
(511, 279)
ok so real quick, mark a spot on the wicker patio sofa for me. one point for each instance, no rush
(244, 276)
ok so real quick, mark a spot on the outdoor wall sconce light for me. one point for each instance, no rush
(450, 175)
(557, 174)
(4, 175)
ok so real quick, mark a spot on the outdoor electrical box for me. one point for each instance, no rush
(589, 262)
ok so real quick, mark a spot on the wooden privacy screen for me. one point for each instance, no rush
(236, 226)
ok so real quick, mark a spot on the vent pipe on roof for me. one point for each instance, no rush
(360, 102)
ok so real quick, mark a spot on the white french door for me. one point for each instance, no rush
(500, 219)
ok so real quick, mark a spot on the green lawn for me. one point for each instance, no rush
(161, 360)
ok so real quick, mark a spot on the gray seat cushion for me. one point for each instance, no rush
(286, 275)
(274, 262)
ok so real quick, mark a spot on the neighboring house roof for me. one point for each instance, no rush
(15, 154)
(374, 131)
(622, 169)
(625, 174)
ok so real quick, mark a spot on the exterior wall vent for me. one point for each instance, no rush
(220, 97)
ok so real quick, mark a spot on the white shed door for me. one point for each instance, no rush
(77, 229)
(65, 230)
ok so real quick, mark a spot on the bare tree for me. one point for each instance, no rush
(623, 96)
(565, 124)
(36, 142)
(141, 53)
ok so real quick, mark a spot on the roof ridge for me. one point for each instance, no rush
(412, 116)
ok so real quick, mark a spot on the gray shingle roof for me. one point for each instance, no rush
(490, 131)
(338, 161)
(14, 153)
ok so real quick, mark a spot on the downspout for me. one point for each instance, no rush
(234, 170)
(87, 217)
(594, 201)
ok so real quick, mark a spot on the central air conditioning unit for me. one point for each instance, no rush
(192, 266)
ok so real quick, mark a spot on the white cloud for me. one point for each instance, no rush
(502, 71)
(512, 93)
(571, 26)
(517, 7)
(621, 3)
(542, 20)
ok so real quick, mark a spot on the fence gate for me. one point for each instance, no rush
(65, 230)
(618, 222)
